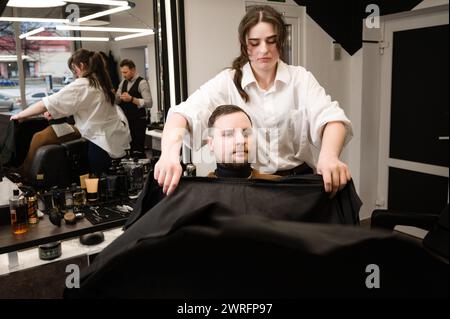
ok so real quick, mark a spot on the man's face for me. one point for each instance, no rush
(127, 73)
(231, 138)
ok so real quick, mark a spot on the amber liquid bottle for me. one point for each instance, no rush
(19, 213)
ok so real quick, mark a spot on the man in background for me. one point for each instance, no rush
(134, 97)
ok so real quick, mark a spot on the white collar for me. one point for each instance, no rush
(134, 78)
(282, 74)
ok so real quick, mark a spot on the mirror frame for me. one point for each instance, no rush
(170, 66)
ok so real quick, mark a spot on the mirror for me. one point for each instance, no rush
(45, 62)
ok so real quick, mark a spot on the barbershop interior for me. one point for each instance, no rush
(212, 149)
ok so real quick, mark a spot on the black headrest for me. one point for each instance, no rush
(50, 167)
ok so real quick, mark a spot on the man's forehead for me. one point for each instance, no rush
(233, 120)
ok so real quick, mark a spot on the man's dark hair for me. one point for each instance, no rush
(225, 110)
(127, 62)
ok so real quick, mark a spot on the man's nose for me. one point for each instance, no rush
(240, 138)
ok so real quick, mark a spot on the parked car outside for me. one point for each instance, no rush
(6, 102)
(68, 79)
(35, 97)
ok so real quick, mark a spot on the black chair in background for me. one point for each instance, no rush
(59, 164)
(437, 238)
(18, 139)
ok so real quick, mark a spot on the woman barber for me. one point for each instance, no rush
(91, 101)
(280, 98)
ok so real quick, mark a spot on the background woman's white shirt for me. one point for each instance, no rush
(95, 118)
(290, 115)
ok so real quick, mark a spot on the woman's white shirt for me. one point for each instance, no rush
(95, 118)
(288, 118)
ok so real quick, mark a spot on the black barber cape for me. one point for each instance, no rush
(297, 198)
(217, 238)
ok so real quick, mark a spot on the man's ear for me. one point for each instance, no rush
(210, 143)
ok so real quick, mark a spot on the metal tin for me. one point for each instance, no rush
(50, 251)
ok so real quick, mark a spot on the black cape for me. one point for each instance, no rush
(229, 238)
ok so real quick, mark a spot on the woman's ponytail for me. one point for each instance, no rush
(94, 71)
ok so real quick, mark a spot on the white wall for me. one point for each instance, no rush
(342, 80)
(211, 38)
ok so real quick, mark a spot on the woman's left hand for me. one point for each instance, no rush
(335, 174)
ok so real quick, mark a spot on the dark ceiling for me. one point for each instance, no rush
(2, 5)
(342, 19)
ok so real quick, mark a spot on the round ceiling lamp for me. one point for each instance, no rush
(35, 4)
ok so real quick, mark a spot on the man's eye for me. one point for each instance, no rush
(227, 133)
(247, 133)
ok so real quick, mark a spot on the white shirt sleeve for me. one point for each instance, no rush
(65, 102)
(321, 110)
(144, 89)
(198, 107)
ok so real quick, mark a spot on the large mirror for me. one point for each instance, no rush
(45, 61)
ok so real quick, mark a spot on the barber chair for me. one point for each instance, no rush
(18, 137)
(437, 238)
(59, 165)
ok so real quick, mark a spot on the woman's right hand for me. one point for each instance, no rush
(47, 115)
(168, 172)
(15, 117)
(168, 169)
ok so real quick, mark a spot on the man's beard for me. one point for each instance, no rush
(234, 165)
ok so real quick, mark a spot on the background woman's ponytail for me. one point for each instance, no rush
(95, 71)
(98, 68)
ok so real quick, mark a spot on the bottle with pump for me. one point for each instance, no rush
(19, 213)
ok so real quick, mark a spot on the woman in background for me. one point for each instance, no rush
(90, 100)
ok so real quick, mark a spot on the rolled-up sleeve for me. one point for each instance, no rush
(144, 89)
(322, 110)
(65, 102)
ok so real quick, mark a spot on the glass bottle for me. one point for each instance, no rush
(69, 200)
(19, 214)
(135, 178)
(32, 207)
(79, 199)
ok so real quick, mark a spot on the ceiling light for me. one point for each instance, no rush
(99, 29)
(67, 38)
(136, 35)
(103, 13)
(24, 35)
(44, 20)
(103, 2)
(35, 4)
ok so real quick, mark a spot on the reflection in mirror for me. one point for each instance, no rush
(45, 62)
